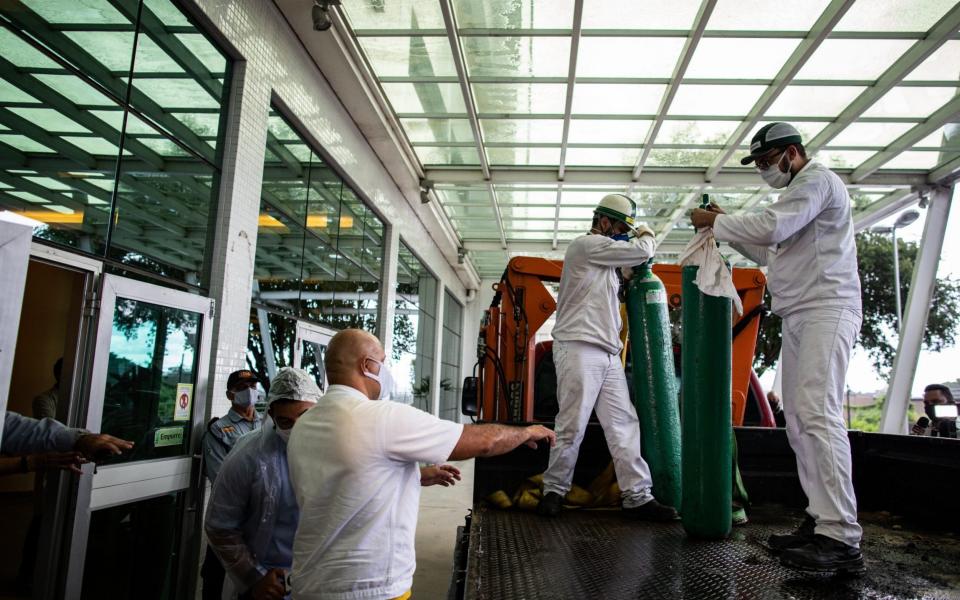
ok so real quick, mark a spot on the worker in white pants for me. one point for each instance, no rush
(816, 351)
(586, 351)
(806, 240)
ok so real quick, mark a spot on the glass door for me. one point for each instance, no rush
(135, 517)
(310, 350)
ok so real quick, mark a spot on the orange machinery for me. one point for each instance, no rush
(522, 304)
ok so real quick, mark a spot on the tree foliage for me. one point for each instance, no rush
(878, 333)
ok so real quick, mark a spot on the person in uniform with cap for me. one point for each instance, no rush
(252, 515)
(806, 240)
(586, 350)
(221, 435)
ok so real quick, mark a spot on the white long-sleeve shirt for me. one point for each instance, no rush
(587, 307)
(806, 240)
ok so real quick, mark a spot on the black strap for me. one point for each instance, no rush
(740, 325)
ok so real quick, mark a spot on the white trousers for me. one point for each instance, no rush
(589, 378)
(816, 352)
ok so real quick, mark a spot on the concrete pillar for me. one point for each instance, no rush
(918, 308)
(230, 270)
(388, 287)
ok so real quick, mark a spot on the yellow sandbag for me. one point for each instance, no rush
(536, 480)
(527, 501)
(500, 499)
(609, 497)
(577, 496)
(599, 486)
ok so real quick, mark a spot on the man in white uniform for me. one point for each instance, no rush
(354, 467)
(806, 240)
(586, 350)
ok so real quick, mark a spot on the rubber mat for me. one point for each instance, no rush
(599, 554)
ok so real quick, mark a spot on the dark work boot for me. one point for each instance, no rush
(551, 505)
(801, 535)
(652, 511)
(824, 555)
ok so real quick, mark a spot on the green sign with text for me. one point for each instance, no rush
(171, 436)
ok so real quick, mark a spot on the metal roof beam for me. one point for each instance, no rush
(889, 205)
(650, 177)
(947, 113)
(940, 33)
(571, 80)
(677, 33)
(686, 55)
(819, 32)
(450, 21)
(945, 174)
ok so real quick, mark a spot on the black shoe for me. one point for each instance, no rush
(801, 535)
(652, 511)
(824, 555)
(551, 505)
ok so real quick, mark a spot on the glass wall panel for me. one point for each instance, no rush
(414, 327)
(280, 334)
(451, 358)
(320, 248)
(66, 117)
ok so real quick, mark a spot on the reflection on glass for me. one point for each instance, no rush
(450, 359)
(312, 361)
(133, 550)
(270, 344)
(151, 374)
(414, 327)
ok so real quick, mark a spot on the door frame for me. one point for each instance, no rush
(114, 485)
(309, 332)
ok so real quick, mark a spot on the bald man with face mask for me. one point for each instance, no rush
(354, 466)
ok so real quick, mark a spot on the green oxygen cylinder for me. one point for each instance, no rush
(655, 393)
(706, 359)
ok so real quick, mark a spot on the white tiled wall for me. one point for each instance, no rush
(272, 64)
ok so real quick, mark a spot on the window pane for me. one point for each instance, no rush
(414, 56)
(520, 97)
(862, 59)
(279, 258)
(396, 14)
(696, 132)
(733, 100)
(516, 56)
(524, 156)
(870, 134)
(681, 158)
(944, 63)
(613, 157)
(280, 332)
(910, 102)
(514, 14)
(520, 131)
(451, 358)
(652, 14)
(438, 130)
(761, 15)
(843, 159)
(413, 331)
(610, 131)
(153, 357)
(617, 98)
(431, 155)
(617, 56)
(893, 15)
(419, 98)
(813, 101)
(727, 58)
(914, 160)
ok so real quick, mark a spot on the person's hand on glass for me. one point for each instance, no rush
(445, 475)
(93, 445)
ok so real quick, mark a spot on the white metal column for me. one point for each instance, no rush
(915, 315)
(388, 287)
(437, 349)
(16, 234)
(235, 238)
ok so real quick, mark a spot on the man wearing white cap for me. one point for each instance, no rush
(252, 515)
(806, 241)
(586, 350)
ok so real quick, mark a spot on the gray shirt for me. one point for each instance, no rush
(222, 435)
(23, 435)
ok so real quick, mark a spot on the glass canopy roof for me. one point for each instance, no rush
(524, 112)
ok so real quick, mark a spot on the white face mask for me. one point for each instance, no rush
(245, 398)
(384, 378)
(284, 433)
(774, 177)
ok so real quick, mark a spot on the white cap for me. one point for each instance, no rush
(293, 384)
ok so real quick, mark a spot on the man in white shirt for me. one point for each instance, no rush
(354, 467)
(806, 240)
(586, 350)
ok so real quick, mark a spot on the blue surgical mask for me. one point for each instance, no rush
(620, 237)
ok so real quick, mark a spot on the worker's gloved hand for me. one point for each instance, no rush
(641, 229)
(445, 475)
(93, 445)
(536, 433)
(270, 587)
